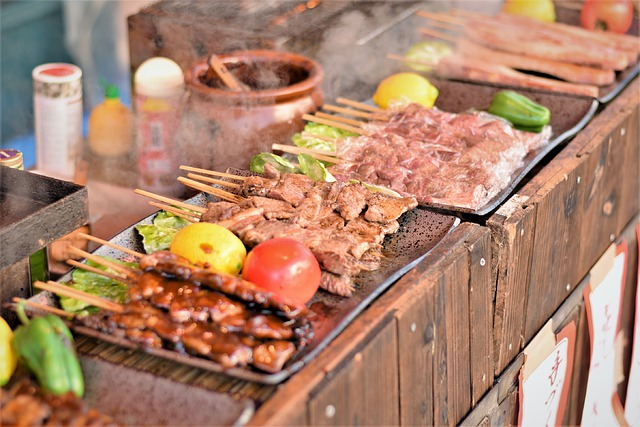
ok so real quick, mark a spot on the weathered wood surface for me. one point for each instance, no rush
(428, 332)
(500, 405)
(549, 234)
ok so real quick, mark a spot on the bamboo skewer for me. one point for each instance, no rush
(360, 105)
(315, 136)
(176, 211)
(213, 181)
(96, 270)
(111, 245)
(352, 112)
(210, 190)
(313, 153)
(304, 150)
(351, 122)
(442, 17)
(70, 292)
(405, 59)
(221, 70)
(335, 124)
(119, 268)
(214, 173)
(437, 34)
(445, 25)
(170, 201)
(44, 307)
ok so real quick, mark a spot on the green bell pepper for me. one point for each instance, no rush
(46, 345)
(521, 111)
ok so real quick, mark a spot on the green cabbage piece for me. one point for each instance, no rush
(314, 168)
(95, 284)
(313, 128)
(158, 236)
(280, 163)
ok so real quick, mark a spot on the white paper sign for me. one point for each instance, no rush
(543, 389)
(632, 405)
(603, 310)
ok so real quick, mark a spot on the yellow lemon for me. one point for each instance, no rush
(210, 246)
(542, 10)
(8, 357)
(403, 88)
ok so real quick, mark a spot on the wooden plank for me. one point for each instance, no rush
(481, 299)
(416, 344)
(364, 391)
(456, 287)
(628, 192)
(512, 228)
(553, 260)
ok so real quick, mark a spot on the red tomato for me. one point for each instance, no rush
(285, 267)
(609, 15)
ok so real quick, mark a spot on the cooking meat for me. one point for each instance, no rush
(439, 157)
(271, 356)
(527, 38)
(25, 404)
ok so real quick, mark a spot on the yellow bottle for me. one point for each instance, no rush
(111, 126)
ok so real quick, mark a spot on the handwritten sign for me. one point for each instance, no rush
(632, 405)
(545, 377)
(603, 300)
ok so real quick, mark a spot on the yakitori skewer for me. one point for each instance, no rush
(210, 190)
(445, 25)
(335, 124)
(437, 34)
(352, 112)
(316, 136)
(340, 119)
(213, 180)
(111, 245)
(170, 201)
(442, 17)
(43, 307)
(193, 217)
(67, 291)
(119, 268)
(313, 153)
(214, 173)
(360, 105)
(95, 270)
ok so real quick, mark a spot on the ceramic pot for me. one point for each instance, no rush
(228, 127)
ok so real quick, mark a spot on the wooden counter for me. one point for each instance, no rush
(431, 348)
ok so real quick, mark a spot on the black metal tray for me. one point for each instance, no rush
(569, 115)
(420, 231)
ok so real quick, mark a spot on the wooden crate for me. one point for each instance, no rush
(420, 355)
(548, 235)
(500, 405)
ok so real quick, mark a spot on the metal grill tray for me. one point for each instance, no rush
(420, 231)
(569, 115)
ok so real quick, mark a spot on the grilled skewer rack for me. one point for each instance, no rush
(35, 210)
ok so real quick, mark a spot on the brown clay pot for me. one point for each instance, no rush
(227, 128)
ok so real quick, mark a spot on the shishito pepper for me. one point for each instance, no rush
(520, 110)
(46, 345)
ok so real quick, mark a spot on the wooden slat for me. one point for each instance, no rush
(416, 344)
(513, 229)
(553, 261)
(365, 390)
(455, 284)
(481, 297)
